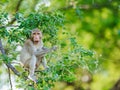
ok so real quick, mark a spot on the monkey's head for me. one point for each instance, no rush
(36, 35)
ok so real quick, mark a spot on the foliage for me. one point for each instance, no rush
(64, 68)
(48, 23)
(72, 25)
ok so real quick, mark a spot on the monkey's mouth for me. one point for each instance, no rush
(36, 40)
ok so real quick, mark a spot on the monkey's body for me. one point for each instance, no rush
(32, 54)
(29, 49)
(28, 57)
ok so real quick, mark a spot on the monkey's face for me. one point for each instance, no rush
(36, 36)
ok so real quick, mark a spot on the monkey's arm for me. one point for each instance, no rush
(45, 51)
(29, 46)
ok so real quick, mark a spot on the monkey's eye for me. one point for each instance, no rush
(38, 33)
(33, 33)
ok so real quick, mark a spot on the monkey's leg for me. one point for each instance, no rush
(32, 67)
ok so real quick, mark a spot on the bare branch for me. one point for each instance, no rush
(116, 86)
(9, 26)
(89, 7)
(18, 5)
(8, 64)
(10, 78)
(16, 10)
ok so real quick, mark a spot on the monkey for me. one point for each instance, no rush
(33, 53)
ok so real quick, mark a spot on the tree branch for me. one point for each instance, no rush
(10, 78)
(8, 64)
(16, 10)
(116, 86)
(89, 7)
(18, 5)
(9, 26)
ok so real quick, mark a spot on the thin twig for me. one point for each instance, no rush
(49, 58)
(16, 10)
(9, 26)
(8, 64)
(10, 78)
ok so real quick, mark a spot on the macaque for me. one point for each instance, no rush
(33, 53)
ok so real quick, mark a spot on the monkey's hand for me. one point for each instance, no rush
(45, 51)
